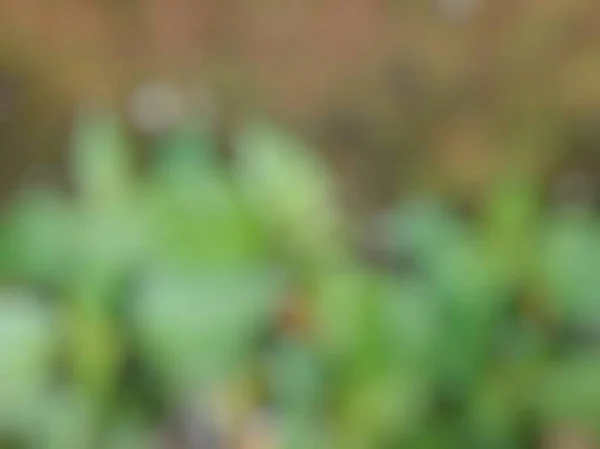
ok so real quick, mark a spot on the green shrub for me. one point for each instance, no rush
(194, 287)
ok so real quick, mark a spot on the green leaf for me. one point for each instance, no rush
(296, 382)
(570, 267)
(38, 238)
(102, 164)
(411, 321)
(29, 336)
(291, 190)
(570, 392)
(383, 406)
(66, 419)
(422, 228)
(511, 224)
(340, 303)
(195, 328)
(202, 223)
(129, 433)
(186, 152)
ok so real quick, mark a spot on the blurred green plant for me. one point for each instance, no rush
(194, 287)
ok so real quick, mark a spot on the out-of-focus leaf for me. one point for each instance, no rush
(495, 406)
(193, 210)
(295, 379)
(340, 304)
(38, 238)
(186, 152)
(381, 407)
(66, 419)
(570, 264)
(109, 243)
(473, 301)
(202, 223)
(300, 431)
(411, 321)
(96, 354)
(197, 328)
(570, 391)
(511, 222)
(28, 333)
(129, 433)
(102, 164)
(422, 229)
(290, 189)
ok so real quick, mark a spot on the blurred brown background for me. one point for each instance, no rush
(394, 92)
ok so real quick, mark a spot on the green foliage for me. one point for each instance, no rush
(143, 294)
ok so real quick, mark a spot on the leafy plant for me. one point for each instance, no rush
(237, 293)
